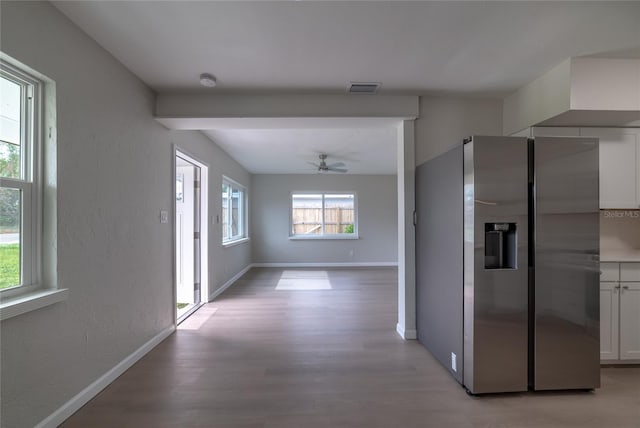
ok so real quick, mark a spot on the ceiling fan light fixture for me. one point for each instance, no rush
(208, 80)
(322, 167)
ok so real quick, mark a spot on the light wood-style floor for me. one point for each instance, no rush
(261, 357)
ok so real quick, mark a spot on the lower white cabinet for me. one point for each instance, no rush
(609, 320)
(620, 312)
(630, 320)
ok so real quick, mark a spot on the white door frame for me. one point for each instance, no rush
(204, 228)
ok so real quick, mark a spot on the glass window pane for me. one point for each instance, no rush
(339, 214)
(236, 211)
(225, 211)
(10, 128)
(306, 214)
(10, 254)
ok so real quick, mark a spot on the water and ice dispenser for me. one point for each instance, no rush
(500, 246)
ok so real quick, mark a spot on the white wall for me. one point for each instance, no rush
(114, 256)
(377, 220)
(605, 84)
(445, 121)
(547, 96)
(619, 233)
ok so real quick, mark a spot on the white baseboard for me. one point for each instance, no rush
(411, 334)
(302, 265)
(80, 399)
(228, 284)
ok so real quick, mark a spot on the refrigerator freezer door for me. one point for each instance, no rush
(567, 248)
(496, 264)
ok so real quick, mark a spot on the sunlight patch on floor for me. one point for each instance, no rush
(198, 318)
(304, 280)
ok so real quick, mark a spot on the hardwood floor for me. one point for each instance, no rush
(261, 357)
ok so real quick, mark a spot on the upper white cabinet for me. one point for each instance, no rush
(619, 166)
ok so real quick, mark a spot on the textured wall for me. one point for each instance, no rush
(113, 254)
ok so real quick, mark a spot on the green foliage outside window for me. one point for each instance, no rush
(9, 200)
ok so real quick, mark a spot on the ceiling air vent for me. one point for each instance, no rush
(363, 88)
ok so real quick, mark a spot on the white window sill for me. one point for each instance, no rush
(235, 242)
(322, 237)
(23, 303)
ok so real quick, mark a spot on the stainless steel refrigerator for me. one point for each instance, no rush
(507, 271)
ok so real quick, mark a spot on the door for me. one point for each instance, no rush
(496, 264)
(630, 321)
(609, 320)
(190, 259)
(567, 270)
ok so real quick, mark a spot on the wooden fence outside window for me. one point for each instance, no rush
(337, 220)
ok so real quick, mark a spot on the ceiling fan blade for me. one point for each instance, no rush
(338, 169)
(337, 165)
(314, 164)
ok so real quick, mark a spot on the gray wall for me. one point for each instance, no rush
(114, 256)
(445, 121)
(377, 220)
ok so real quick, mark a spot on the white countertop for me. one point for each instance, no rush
(621, 256)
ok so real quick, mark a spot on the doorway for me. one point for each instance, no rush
(191, 235)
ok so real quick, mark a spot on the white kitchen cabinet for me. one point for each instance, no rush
(630, 320)
(619, 166)
(609, 320)
(630, 272)
(609, 272)
(620, 312)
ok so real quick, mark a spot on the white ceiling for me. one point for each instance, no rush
(479, 47)
(277, 151)
(472, 48)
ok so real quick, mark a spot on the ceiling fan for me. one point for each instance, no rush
(323, 167)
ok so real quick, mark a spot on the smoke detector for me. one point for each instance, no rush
(363, 87)
(207, 80)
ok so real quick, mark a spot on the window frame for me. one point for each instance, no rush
(323, 235)
(243, 214)
(30, 182)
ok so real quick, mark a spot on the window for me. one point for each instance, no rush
(234, 211)
(324, 215)
(20, 143)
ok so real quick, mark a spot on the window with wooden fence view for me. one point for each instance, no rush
(319, 214)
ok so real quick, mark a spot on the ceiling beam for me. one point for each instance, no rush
(187, 111)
